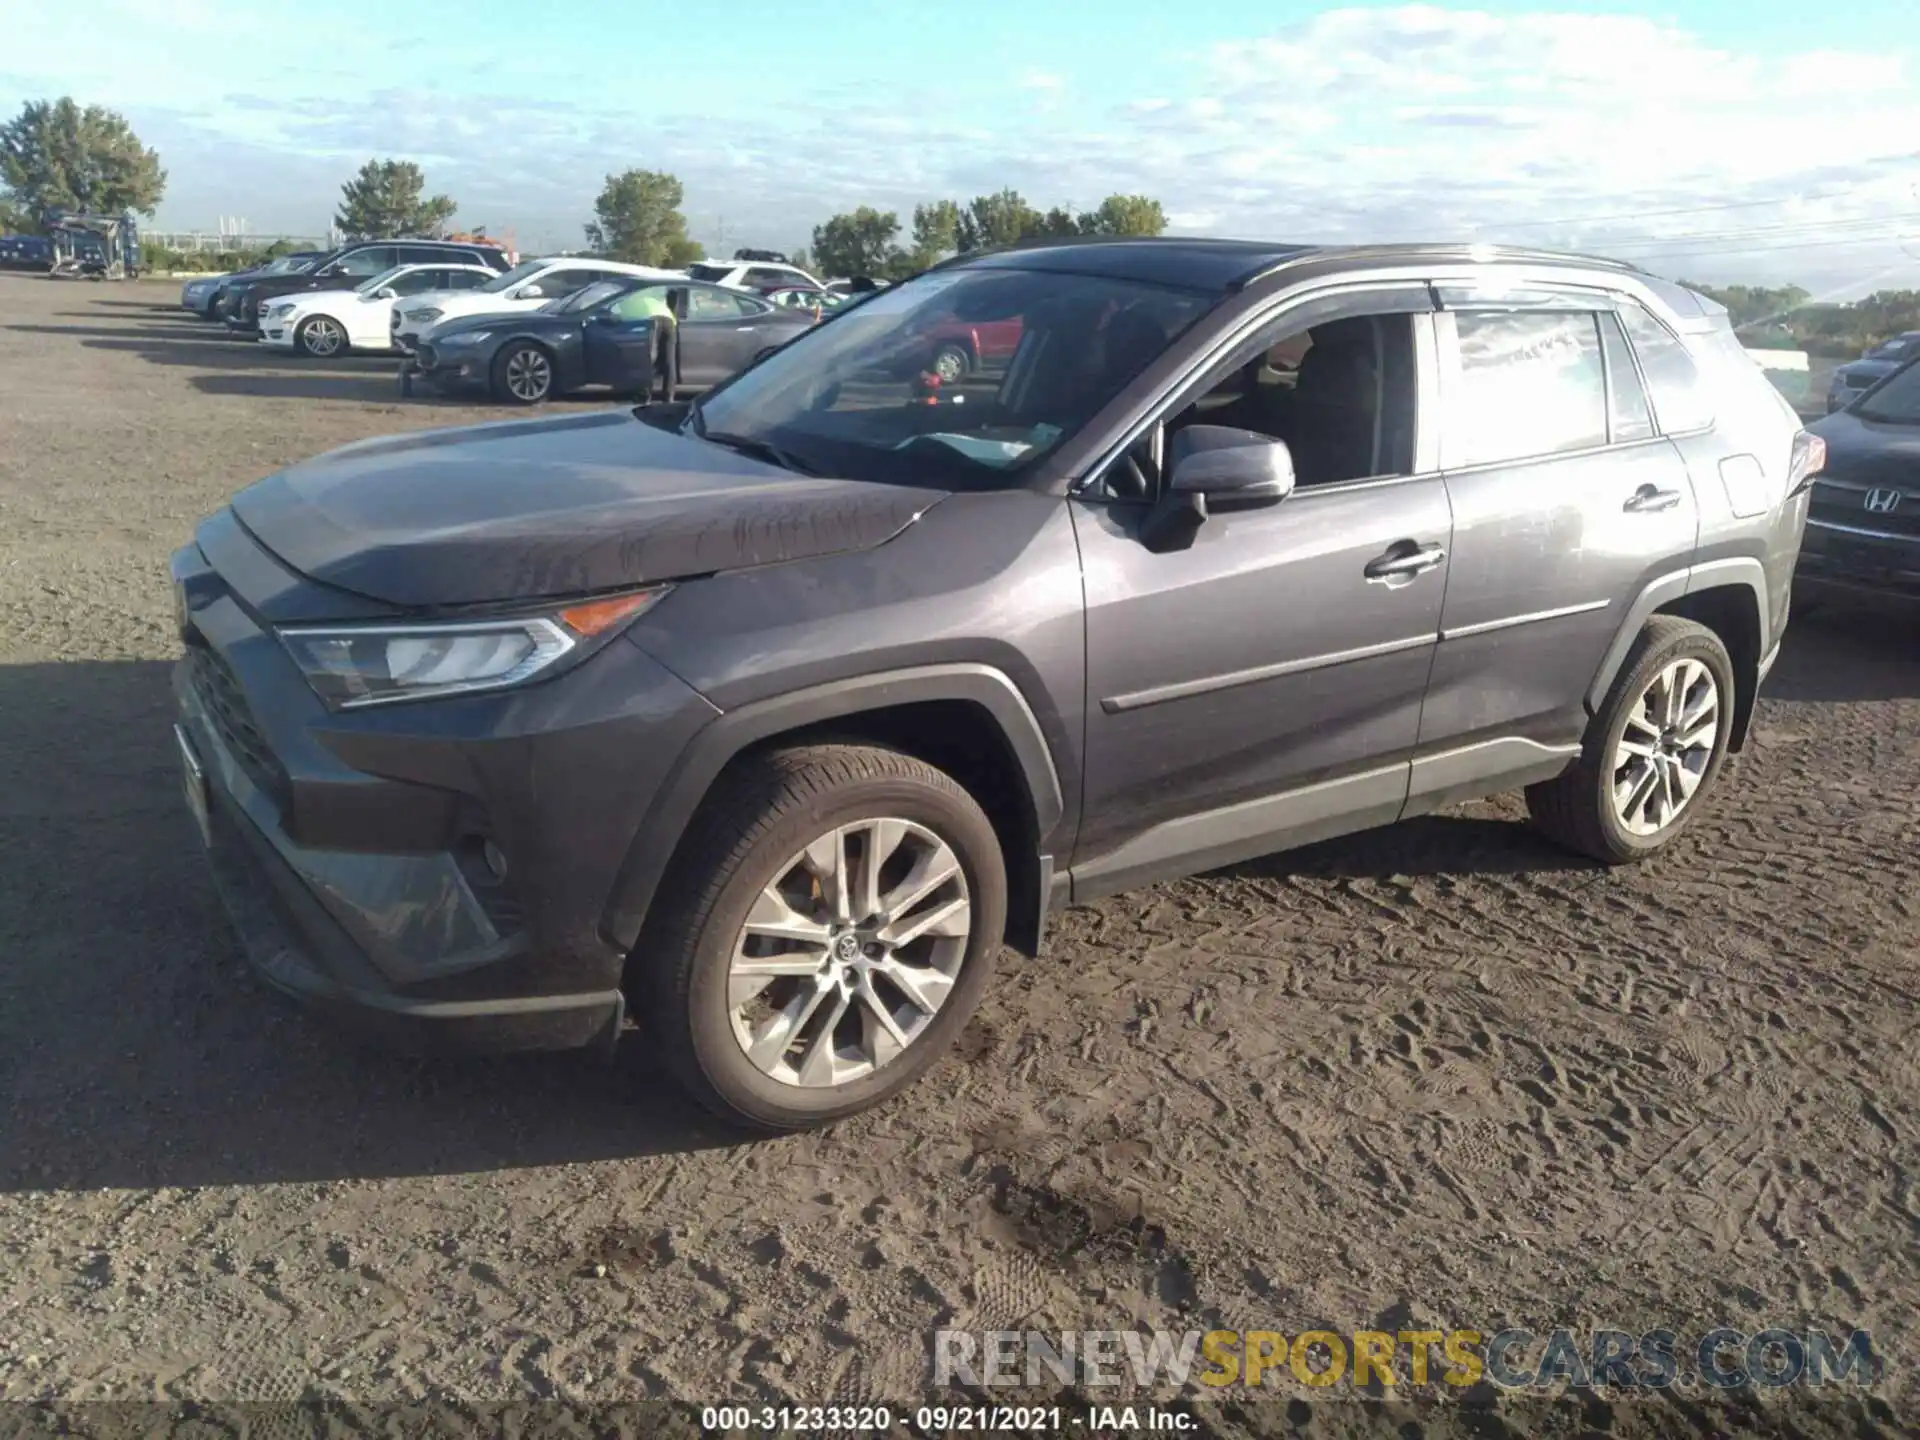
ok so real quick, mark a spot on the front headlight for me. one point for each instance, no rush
(350, 666)
(464, 337)
(426, 314)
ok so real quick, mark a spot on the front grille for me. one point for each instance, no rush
(1833, 505)
(218, 689)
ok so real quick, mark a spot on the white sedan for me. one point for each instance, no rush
(331, 322)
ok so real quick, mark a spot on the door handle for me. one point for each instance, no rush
(1403, 561)
(1649, 498)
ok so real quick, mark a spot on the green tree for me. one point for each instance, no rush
(56, 155)
(639, 220)
(859, 243)
(1125, 215)
(384, 202)
(936, 233)
(1000, 219)
(1056, 224)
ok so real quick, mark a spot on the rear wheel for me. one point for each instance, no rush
(832, 921)
(523, 374)
(320, 336)
(1651, 752)
(951, 363)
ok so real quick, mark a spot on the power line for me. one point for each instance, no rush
(1810, 227)
(1578, 221)
(1735, 252)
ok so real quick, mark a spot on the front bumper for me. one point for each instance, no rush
(1858, 560)
(449, 373)
(349, 850)
(278, 331)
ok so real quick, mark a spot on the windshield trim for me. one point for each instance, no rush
(1861, 409)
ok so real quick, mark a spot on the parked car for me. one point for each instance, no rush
(527, 286)
(1863, 533)
(953, 348)
(321, 323)
(761, 277)
(1853, 380)
(347, 267)
(815, 302)
(25, 252)
(603, 335)
(200, 293)
(767, 719)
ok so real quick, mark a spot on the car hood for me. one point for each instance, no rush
(326, 297)
(1868, 369)
(464, 320)
(1869, 451)
(526, 510)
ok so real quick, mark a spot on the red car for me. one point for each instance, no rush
(957, 348)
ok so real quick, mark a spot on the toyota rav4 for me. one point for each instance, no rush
(761, 725)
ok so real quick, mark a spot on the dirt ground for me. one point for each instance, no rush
(1441, 1074)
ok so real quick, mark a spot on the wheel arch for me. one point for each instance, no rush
(1729, 597)
(970, 720)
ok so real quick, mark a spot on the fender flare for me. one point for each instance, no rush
(1664, 590)
(733, 731)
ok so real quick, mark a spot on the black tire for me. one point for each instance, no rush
(951, 362)
(506, 388)
(304, 338)
(1576, 809)
(762, 811)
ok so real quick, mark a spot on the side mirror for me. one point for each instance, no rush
(1215, 467)
(386, 292)
(1230, 467)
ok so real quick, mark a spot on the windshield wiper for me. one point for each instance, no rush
(758, 449)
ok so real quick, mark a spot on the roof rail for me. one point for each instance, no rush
(1448, 250)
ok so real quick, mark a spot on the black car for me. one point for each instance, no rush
(604, 335)
(1863, 531)
(346, 267)
(205, 294)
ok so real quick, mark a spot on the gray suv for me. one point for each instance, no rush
(761, 724)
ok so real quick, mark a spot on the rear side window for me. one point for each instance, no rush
(1680, 399)
(1532, 383)
(1628, 415)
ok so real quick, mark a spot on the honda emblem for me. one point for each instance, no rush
(1882, 502)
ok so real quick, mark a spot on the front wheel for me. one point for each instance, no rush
(523, 374)
(1652, 751)
(951, 363)
(831, 922)
(320, 336)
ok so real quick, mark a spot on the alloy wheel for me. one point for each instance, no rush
(950, 365)
(849, 952)
(1666, 747)
(324, 337)
(529, 376)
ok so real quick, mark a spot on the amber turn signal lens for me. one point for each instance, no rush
(594, 616)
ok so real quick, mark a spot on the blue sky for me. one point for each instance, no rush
(1717, 140)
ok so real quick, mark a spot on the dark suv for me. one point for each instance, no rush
(763, 723)
(1863, 531)
(347, 267)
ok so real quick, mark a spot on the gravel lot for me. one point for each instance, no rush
(1438, 1074)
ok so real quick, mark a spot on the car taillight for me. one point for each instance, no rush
(1809, 459)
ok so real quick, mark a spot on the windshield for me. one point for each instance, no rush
(1892, 349)
(1896, 400)
(712, 273)
(960, 377)
(287, 265)
(594, 294)
(513, 277)
(385, 277)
